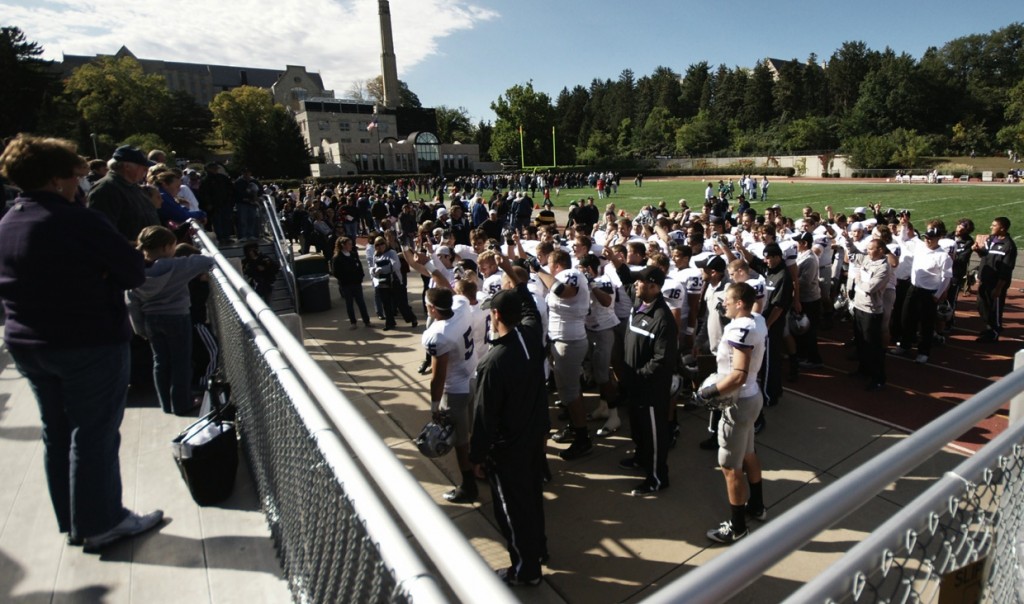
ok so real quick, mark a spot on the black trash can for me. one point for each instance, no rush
(314, 293)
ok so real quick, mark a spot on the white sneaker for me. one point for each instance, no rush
(921, 358)
(132, 525)
(610, 426)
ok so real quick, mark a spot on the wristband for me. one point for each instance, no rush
(435, 406)
(687, 331)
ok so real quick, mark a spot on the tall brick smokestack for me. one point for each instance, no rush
(389, 69)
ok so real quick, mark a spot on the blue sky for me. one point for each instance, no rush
(468, 52)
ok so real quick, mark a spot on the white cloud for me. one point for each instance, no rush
(338, 38)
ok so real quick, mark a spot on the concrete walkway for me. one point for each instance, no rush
(605, 545)
(219, 554)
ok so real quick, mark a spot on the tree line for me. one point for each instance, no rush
(111, 102)
(882, 108)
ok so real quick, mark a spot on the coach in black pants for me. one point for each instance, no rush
(511, 426)
(651, 348)
(778, 299)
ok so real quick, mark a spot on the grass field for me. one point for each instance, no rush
(980, 202)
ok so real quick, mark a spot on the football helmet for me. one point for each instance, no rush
(437, 437)
(842, 303)
(944, 311)
(722, 401)
(798, 323)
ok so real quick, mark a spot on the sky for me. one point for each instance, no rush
(467, 53)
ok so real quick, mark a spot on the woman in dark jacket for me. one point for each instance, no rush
(63, 273)
(348, 270)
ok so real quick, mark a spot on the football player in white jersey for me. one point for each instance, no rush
(568, 302)
(492, 275)
(600, 323)
(692, 279)
(739, 358)
(449, 343)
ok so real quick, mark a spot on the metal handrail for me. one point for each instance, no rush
(447, 548)
(283, 252)
(908, 518)
(410, 573)
(746, 561)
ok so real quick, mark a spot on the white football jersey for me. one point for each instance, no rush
(747, 333)
(566, 315)
(453, 337)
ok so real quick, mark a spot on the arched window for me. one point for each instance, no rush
(426, 147)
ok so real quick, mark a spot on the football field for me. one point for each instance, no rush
(948, 202)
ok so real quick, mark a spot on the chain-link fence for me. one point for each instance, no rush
(340, 525)
(960, 541)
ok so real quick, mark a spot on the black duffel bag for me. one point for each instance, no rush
(207, 451)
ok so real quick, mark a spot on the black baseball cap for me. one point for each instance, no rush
(715, 264)
(772, 249)
(652, 274)
(507, 303)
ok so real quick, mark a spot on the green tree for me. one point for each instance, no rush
(658, 134)
(1012, 135)
(809, 134)
(482, 137)
(263, 134)
(870, 151)
(113, 96)
(453, 124)
(600, 147)
(570, 117)
(522, 107)
(186, 125)
(757, 98)
(692, 89)
(891, 96)
(27, 82)
(970, 137)
(700, 136)
(909, 148)
(847, 68)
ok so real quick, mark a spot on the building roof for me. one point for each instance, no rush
(222, 76)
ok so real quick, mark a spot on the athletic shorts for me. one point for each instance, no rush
(460, 406)
(736, 431)
(567, 361)
(601, 343)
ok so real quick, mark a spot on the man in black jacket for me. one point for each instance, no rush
(511, 426)
(650, 357)
(998, 257)
(119, 197)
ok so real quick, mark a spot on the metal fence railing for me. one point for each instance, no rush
(338, 501)
(974, 514)
(281, 245)
(972, 518)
